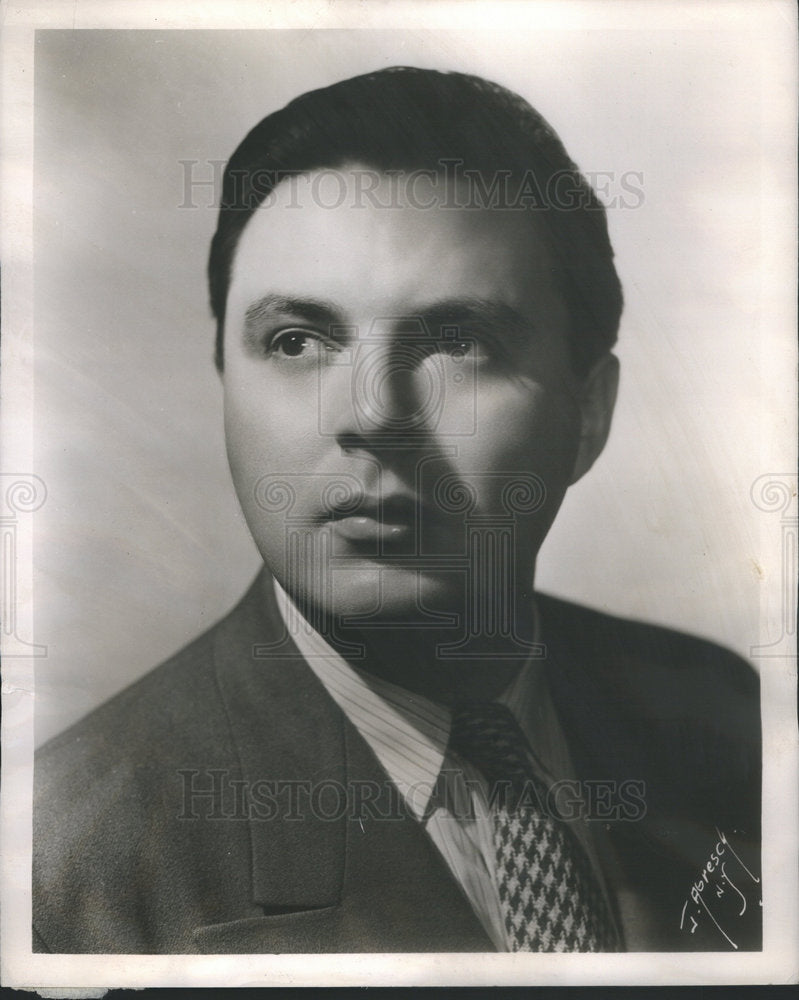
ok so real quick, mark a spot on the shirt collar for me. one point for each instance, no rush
(407, 732)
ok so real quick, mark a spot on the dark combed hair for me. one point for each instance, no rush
(409, 119)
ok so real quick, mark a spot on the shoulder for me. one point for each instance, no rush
(108, 831)
(678, 710)
(646, 656)
(131, 727)
(173, 710)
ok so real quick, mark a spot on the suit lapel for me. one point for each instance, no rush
(288, 738)
(338, 864)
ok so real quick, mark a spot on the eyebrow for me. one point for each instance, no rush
(460, 312)
(316, 311)
(481, 313)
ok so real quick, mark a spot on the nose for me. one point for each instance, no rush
(390, 395)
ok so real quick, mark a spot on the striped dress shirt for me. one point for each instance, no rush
(408, 734)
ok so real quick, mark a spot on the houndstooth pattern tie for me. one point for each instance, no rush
(549, 896)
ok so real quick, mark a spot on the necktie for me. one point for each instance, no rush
(550, 898)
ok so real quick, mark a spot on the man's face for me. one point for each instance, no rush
(401, 415)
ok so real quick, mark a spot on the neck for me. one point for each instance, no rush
(436, 663)
(417, 663)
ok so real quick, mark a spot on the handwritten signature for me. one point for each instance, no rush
(714, 881)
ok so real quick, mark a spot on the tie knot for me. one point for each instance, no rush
(487, 735)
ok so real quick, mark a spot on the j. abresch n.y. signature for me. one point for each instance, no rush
(723, 873)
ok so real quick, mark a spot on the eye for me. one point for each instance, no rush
(291, 343)
(479, 344)
(295, 343)
(459, 349)
(477, 348)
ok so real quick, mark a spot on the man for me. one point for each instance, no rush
(392, 743)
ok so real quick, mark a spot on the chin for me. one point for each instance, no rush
(387, 595)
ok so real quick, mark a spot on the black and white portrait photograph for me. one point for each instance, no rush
(399, 494)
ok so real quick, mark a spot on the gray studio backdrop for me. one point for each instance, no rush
(140, 544)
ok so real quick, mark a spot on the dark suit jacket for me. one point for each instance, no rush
(130, 855)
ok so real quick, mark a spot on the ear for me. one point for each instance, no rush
(596, 398)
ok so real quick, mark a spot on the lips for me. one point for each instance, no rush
(392, 520)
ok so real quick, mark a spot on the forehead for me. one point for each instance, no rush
(381, 244)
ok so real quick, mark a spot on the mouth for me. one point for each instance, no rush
(392, 520)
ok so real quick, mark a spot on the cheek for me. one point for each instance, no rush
(254, 432)
(525, 426)
(521, 459)
(265, 432)
(255, 454)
